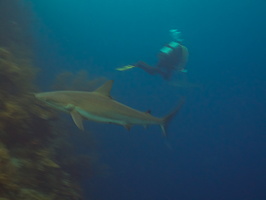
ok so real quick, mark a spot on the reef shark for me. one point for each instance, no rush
(99, 106)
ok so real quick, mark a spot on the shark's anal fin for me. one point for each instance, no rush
(127, 126)
(77, 118)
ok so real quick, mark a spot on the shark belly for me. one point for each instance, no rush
(99, 118)
(118, 118)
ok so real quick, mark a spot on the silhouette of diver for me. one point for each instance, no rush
(172, 57)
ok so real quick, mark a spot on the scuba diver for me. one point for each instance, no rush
(172, 57)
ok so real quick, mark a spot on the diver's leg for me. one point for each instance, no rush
(147, 68)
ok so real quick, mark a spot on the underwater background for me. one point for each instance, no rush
(216, 145)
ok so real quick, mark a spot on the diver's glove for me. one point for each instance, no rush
(183, 70)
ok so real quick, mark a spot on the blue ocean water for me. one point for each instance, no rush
(217, 144)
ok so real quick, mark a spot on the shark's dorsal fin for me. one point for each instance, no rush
(105, 89)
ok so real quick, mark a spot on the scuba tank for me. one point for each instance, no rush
(176, 36)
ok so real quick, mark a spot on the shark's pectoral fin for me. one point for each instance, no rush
(77, 118)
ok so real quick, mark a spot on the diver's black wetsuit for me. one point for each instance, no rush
(166, 65)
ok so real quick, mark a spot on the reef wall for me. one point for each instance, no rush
(33, 165)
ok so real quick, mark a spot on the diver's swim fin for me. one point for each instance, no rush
(127, 67)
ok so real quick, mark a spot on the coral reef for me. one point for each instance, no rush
(28, 168)
(32, 165)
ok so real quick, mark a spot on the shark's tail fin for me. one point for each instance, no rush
(167, 118)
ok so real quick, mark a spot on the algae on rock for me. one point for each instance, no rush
(30, 168)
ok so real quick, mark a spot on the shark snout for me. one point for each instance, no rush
(40, 96)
